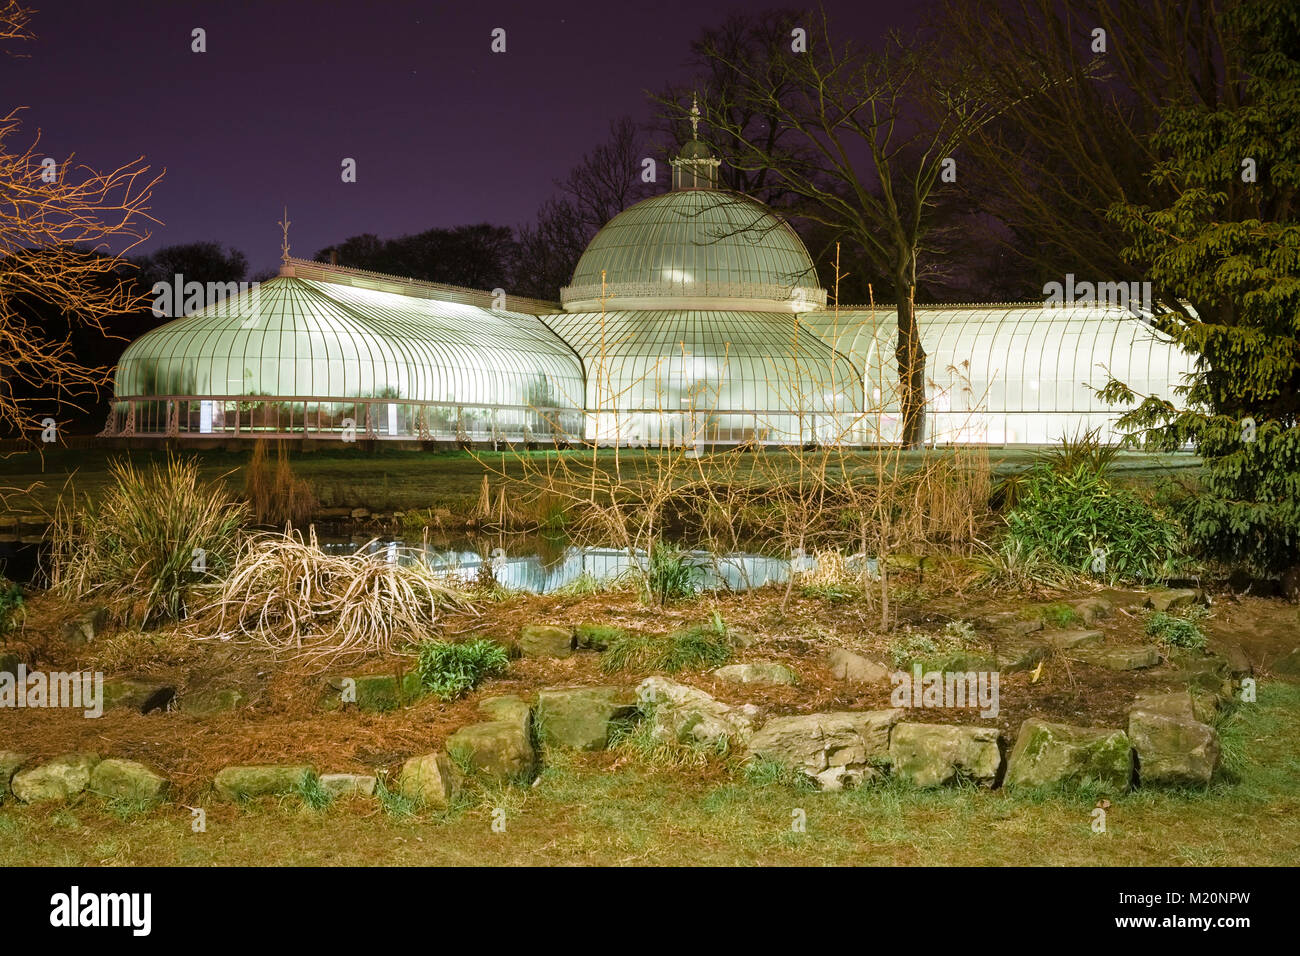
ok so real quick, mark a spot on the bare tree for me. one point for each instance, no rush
(64, 230)
(1088, 79)
(868, 136)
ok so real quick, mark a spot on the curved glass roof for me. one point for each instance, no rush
(1012, 374)
(690, 248)
(301, 337)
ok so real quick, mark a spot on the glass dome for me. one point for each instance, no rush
(696, 249)
(684, 376)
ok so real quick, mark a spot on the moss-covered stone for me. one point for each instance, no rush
(1173, 751)
(545, 640)
(137, 694)
(128, 780)
(756, 672)
(10, 763)
(933, 755)
(597, 637)
(374, 693)
(582, 718)
(1059, 755)
(55, 780)
(430, 779)
(208, 702)
(499, 751)
(1118, 657)
(262, 780)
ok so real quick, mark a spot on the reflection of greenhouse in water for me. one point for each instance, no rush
(694, 317)
(537, 575)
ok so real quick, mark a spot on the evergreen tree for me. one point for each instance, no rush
(1224, 255)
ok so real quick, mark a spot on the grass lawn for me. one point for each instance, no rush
(388, 479)
(584, 810)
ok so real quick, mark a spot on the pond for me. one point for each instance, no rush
(531, 564)
(541, 566)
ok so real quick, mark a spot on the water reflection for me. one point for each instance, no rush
(545, 570)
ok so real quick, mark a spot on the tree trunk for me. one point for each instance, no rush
(911, 361)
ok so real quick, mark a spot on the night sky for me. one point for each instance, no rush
(444, 131)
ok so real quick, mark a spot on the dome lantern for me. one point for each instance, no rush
(696, 167)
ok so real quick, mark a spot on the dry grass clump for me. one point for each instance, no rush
(154, 535)
(277, 495)
(291, 596)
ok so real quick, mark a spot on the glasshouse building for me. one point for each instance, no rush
(694, 317)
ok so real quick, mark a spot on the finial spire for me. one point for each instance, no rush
(695, 116)
(284, 242)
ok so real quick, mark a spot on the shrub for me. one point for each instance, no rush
(1064, 517)
(450, 670)
(11, 605)
(292, 596)
(1084, 451)
(1177, 631)
(670, 575)
(1061, 615)
(701, 646)
(904, 649)
(313, 793)
(150, 539)
(275, 494)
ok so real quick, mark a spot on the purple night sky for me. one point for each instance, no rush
(444, 131)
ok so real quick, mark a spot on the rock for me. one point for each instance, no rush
(856, 669)
(498, 750)
(206, 703)
(1020, 654)
(597, 637)
(1288, 663)
(1173, 751)
(127, 780)
(1206, 705)
(756, 672)
(55, 780)
(510, 709)
(10, 763)
(1058, 755)
(141, 695)
(1068, 640)
(834, 749)
(1092, 609)
(349, 784)
(1232, 655)
(1012, 623)
(581, 718)
(1176, 704)
(83, 629)
(375, 693)
(243, 783)
(545, 640)
(932, 755)
(430, 779)
(1169, 600)
(1118, 657)
(688, 715)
